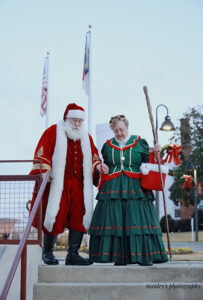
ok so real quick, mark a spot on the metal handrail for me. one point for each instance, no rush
(18, 177)
(20, 160)
(22, 248)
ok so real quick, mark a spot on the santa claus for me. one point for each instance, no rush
(68, 152)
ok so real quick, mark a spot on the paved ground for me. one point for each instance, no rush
(195, 246)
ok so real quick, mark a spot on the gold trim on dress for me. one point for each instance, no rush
(113, 156)
(130, 160)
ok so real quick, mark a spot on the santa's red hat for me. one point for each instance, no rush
(74, 111)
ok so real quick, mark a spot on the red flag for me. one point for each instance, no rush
(44, 88)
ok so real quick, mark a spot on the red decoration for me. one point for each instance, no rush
(187, 181)
(152, 181)
(173, 152)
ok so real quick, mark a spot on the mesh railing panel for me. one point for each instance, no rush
(15, 199)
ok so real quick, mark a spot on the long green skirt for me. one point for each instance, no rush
(125, 230)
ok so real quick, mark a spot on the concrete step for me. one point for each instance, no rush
(182, 281)
(118, 291)
(134, 273)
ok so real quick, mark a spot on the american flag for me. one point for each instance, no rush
(85, 77)
(44, 88)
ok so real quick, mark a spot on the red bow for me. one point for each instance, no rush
(173, 153)
(187, 181)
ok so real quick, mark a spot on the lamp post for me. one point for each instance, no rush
(167, 125)
(191, 167)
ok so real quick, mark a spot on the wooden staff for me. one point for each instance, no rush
(159, 166)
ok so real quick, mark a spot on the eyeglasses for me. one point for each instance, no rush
(119, 117)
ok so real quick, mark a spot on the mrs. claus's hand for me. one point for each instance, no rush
(157, 147)
(103, 168)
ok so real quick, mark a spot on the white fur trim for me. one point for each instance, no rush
(58, 168)
(76, 113)
(88, 182)
(146, 167)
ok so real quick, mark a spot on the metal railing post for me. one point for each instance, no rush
(22, 248)
(23, 273)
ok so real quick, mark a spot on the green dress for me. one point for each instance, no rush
(125, 228)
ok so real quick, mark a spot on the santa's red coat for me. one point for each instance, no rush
(72, 206)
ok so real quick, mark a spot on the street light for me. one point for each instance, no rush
(191, 167)
(167, 125)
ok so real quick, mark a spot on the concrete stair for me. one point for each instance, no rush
(108, 282)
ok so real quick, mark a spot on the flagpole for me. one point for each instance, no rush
(47, 106)
(90, 86)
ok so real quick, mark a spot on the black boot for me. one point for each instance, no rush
(145, 264)
(74, 241)
(120, 264)
(47, 251)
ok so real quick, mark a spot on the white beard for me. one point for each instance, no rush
(73, 133)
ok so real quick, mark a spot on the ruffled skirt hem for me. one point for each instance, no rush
(142, 249)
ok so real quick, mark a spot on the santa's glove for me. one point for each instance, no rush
(146, 167)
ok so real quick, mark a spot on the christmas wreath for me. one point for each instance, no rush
(172, 152)
(183, 186)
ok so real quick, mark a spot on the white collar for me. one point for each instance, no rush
(123, 142)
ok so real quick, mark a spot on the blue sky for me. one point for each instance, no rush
(158, 43)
